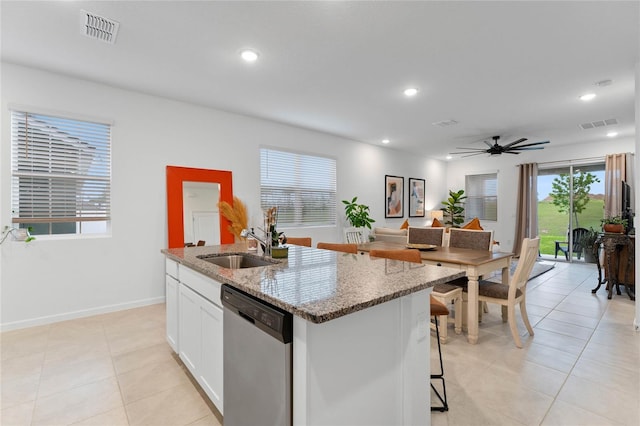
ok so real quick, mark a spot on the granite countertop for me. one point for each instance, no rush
(318, 285)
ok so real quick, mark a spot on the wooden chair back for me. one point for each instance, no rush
(345, 248)
(299, 241)
(406, 255)
(528, 257)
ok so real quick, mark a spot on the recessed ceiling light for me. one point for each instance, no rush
(449, 157)
(249, 55)
(412, 91)
(612, 134)
(385, 141)
(587, 97)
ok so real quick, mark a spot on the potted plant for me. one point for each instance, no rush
(587, 241)
(614, 224)
(357, 214)
(453, 208)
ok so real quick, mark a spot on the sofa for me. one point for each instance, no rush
(392, 235)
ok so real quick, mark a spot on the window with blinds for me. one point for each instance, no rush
(482, 196)
(303, 187)
(61, 174)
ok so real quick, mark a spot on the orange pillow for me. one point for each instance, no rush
(405, 225)
(436, 223)
(474, 224)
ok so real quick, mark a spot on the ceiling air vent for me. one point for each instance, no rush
(445, 123)
(98, 27)
(598, 124)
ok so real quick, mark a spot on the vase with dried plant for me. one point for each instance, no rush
(236, 214)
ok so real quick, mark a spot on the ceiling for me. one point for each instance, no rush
(514, 69)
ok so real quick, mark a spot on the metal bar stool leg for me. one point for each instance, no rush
(440, 376)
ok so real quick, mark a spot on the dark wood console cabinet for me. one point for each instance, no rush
(618, 262)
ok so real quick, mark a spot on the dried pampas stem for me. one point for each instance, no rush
(236, 214)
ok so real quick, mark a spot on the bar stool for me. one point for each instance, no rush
(438, 309)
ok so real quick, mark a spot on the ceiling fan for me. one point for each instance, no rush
(495, 149)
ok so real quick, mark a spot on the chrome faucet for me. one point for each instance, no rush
(266, 242)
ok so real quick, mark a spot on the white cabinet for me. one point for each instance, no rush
(200, 333)
(172, 311)
(171, 302)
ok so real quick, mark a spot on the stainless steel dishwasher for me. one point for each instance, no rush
(257, 361)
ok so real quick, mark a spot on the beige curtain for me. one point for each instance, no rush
(527, 207)
(617, 168)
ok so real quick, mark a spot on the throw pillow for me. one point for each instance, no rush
(474, 224)
(436, 223)
(405, 225)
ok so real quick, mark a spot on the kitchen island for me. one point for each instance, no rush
(360, 329)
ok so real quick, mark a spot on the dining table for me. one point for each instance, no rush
(475, 263)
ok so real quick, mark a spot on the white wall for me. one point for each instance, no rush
(53, 279)
(505, 166)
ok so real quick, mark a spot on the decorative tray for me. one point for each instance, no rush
(422, 246)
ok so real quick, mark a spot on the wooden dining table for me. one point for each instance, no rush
(475, 263)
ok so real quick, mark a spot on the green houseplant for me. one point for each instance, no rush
(453, 208)
(587, 241)
(357, 214)
(615, 224)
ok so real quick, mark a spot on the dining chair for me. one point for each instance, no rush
(299, 241)
(354, 235)
(425, 235)
(444, 293)
(470, 238)
(508, 296)
(437, 309)
(345, 248)
(200, 243)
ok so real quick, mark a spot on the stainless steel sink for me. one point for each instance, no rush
(237, 260)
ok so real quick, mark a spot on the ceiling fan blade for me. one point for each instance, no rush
(472, 149)
(471, 155)
(509, 145)
(488, 144)
(468, 152)
(511, 152)
(526, 149)
(530, 144)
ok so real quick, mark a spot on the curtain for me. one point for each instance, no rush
(527, 207)
(617, 168)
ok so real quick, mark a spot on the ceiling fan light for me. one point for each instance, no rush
(587, 97)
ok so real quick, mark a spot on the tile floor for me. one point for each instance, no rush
(581, 368)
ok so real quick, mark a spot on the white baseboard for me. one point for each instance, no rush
(79, 314)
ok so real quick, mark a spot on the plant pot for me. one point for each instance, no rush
(589, 256)
(614, 228)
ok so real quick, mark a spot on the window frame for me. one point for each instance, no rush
(298, 189)
(61, 173)
(478, 204)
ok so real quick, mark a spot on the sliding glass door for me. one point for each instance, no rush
(570, 206)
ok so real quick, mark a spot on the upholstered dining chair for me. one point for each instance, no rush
(200, 243)
(345, 248)
(299, 241)
(470, 238)
(437, 308)
(425, 235)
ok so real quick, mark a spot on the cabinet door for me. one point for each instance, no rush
(211, 356)
(171, 300)
(189, 326)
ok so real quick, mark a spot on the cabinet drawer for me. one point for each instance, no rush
(171, 267)
(205, 286)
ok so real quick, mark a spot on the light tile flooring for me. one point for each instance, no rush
(580, 368)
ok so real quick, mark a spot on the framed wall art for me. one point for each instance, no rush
(393, 189)
(416, 197)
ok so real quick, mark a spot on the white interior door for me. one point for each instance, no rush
(206, 226)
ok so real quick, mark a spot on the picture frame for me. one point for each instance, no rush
(415, 194)
(394, 197)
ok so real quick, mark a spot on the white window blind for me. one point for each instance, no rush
(61, 174)
(303, 187)
(482, 196)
